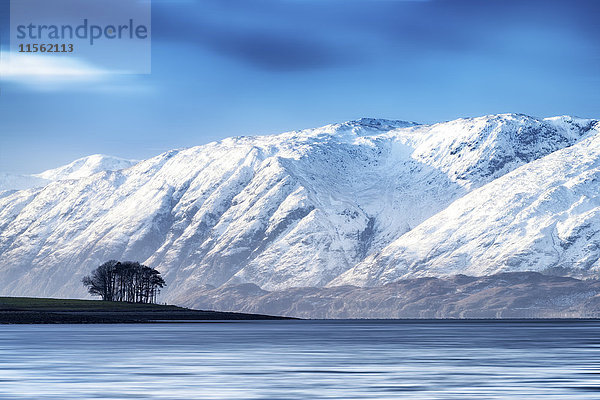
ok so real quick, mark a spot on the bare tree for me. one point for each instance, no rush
(125, 281)
(102, 280)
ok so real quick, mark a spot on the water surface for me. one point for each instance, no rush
(303, 360)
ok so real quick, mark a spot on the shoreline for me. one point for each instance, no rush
(25, 310)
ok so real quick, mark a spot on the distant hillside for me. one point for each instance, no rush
(81, 168)
(505, 295)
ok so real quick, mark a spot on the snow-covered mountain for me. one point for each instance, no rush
(306, 208)
(81, 168)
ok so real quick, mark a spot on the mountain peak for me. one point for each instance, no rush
(362, 127)
(380, 123)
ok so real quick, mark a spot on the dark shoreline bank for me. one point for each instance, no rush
(23, 310)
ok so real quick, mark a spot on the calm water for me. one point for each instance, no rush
(302, 360)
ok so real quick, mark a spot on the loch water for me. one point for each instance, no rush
(303, 360)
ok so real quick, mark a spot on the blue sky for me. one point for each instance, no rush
(241, 67)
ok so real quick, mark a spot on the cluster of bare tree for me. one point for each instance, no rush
(125, 281)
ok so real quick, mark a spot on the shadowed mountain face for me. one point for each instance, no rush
(505, 295)
(360, 203)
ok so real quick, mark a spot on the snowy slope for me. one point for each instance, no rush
(81, 168)
(544, 216)
(295, 209)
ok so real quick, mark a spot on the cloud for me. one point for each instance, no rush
(48, 71)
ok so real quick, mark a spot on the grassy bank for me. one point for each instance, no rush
(28, 310)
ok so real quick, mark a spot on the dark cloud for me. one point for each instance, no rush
(279, 41)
